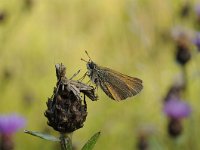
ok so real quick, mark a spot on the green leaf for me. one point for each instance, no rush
(43, 136)
(91, 142)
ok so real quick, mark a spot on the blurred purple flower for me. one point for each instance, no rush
(11, 123)
(196, 40)
(176, 109)
(197, 9)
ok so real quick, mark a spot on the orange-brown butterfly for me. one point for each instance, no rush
(115, 84)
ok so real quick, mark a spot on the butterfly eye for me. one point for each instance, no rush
(91, 65)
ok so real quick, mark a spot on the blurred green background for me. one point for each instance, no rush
(130, 36)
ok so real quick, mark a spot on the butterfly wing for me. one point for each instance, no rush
(117, 85)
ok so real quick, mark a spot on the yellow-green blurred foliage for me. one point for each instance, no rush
(130, 36)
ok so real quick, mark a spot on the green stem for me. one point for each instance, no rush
(65, 142)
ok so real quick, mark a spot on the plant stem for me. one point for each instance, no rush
(65, 141)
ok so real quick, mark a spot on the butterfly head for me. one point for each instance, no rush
(90, 64)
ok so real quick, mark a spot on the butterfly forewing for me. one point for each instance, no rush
(117, 85)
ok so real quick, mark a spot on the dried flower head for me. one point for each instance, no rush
(182, 40)
(185, 9)
(66, 111)
(142, 143)
(3, 16)
(183, 54)
(143, 138)
(174, 92)
(175, 127)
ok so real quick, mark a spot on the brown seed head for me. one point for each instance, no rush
(65, 111)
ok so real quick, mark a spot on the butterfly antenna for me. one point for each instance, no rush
(88, 55)
(83, 60)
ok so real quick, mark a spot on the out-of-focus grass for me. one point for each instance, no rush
(123, 35)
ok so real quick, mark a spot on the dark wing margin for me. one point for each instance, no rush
(117, 85)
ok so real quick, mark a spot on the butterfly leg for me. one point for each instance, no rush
(83, 77)
(75, 74)
(89, 81)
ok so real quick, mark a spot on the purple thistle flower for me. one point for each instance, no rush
(176, 109)
(196, 40)
(11, 123)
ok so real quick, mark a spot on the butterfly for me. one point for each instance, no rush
(115, 85)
